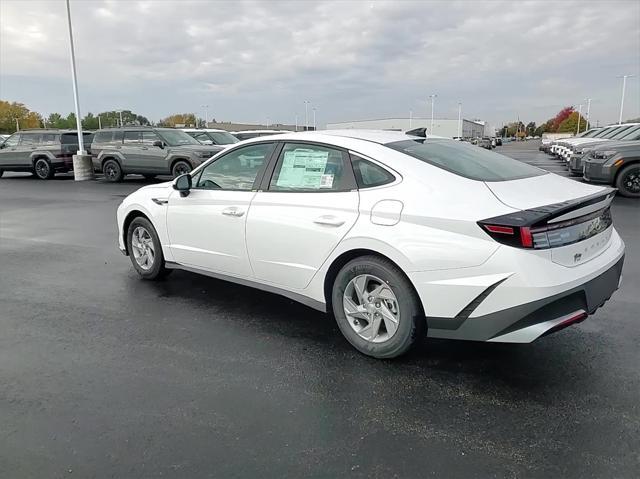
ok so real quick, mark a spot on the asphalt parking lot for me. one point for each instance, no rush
(104, 375)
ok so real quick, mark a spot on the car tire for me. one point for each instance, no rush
(180, 167)
(112, 171)
(145, 250)
(367, 320)
(43, 169)
(628, 181)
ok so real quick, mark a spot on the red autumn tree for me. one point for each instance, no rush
(560, 117)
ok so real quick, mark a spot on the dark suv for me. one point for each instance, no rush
(147, 151)
(41, 152)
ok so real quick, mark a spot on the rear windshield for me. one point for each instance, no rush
(222, 137)
(466, 160)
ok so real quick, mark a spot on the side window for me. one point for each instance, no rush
(131, 138)
(118, 136)
(303, 167)
(369, 174)
(49, 139)
(12, 140)
(236, 170)
(103, 137)
(30, 139)
(148, 137)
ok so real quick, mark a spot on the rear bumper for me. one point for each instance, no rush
(527, 322)
(522, 295)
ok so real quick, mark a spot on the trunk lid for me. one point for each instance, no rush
(571, 219)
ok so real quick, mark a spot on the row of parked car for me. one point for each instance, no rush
(609, 154)
(117, 152)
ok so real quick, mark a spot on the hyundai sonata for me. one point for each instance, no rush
(393, 234)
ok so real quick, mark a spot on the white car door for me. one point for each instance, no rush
(303, 211)
(206, 228)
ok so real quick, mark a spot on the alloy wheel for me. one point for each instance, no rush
(42, 169)
(143, 249)
(631, 180)
(371, 308)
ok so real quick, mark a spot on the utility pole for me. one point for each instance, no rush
(624, 86)
(579, 116)
(459, 119)
(82, 165)
(433, 100)
(17, 125)
(306, 115)
(99, 123)
(206, 115)
(314, 118)
(588, 110)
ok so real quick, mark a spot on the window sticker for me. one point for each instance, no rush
(304, 168)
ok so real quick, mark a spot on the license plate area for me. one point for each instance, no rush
(583, 251)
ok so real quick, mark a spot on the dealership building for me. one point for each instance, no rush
(441, 126)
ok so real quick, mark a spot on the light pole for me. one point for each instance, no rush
(588, 110)
(433, 100)
(296, 122)
(99, 123)
(314, 118)
(206, 115)
(459, 119)
(17, 125)
(306, 115)
(579, 116)
(82, 166)
(624, 86)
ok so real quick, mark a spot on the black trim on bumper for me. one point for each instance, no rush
(588, 297)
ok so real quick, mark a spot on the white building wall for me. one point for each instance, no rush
(441, 126)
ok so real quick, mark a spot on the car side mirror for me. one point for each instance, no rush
(183, 184)
(158, 143)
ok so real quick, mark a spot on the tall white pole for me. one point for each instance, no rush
(99, 123)
(306, 115)
(81, 150)
(588, 111)
(314, 118)
(624, 86)
(459, 119)
(579, 116)
(296, 122)
(433, 100)
(121, 122)
(17, 125)
(206, 115)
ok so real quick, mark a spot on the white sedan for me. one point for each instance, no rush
(393, 234)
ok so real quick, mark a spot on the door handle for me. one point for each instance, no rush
(233, 211)
(328, 220)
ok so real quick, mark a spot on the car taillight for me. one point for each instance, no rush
(539, 228)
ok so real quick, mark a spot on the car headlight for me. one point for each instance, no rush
(583, 151)
(604, 155)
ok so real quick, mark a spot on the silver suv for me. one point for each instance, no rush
(41, 152)
(147, 151)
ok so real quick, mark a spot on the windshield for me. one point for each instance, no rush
(603, 132)
(615, 131)
(466, 160)
(177, 138)
(632, 134)
(222, 137)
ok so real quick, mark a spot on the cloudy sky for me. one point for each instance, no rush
(250, 61)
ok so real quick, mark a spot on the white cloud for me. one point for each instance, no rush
(352, 59)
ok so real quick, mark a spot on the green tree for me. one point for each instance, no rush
(10, 112)
(531, 128)
(187, 119)
(90, 122)
(570, 124)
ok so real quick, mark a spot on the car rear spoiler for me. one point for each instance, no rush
(556, 212)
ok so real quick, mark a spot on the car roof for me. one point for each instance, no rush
(381, 137)
(275, 132)
(195, 130)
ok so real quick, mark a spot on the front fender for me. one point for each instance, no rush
(39, 154)
(156, 213)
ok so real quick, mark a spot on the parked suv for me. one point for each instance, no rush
(147, 151)
(41, 152)
(615, 163)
